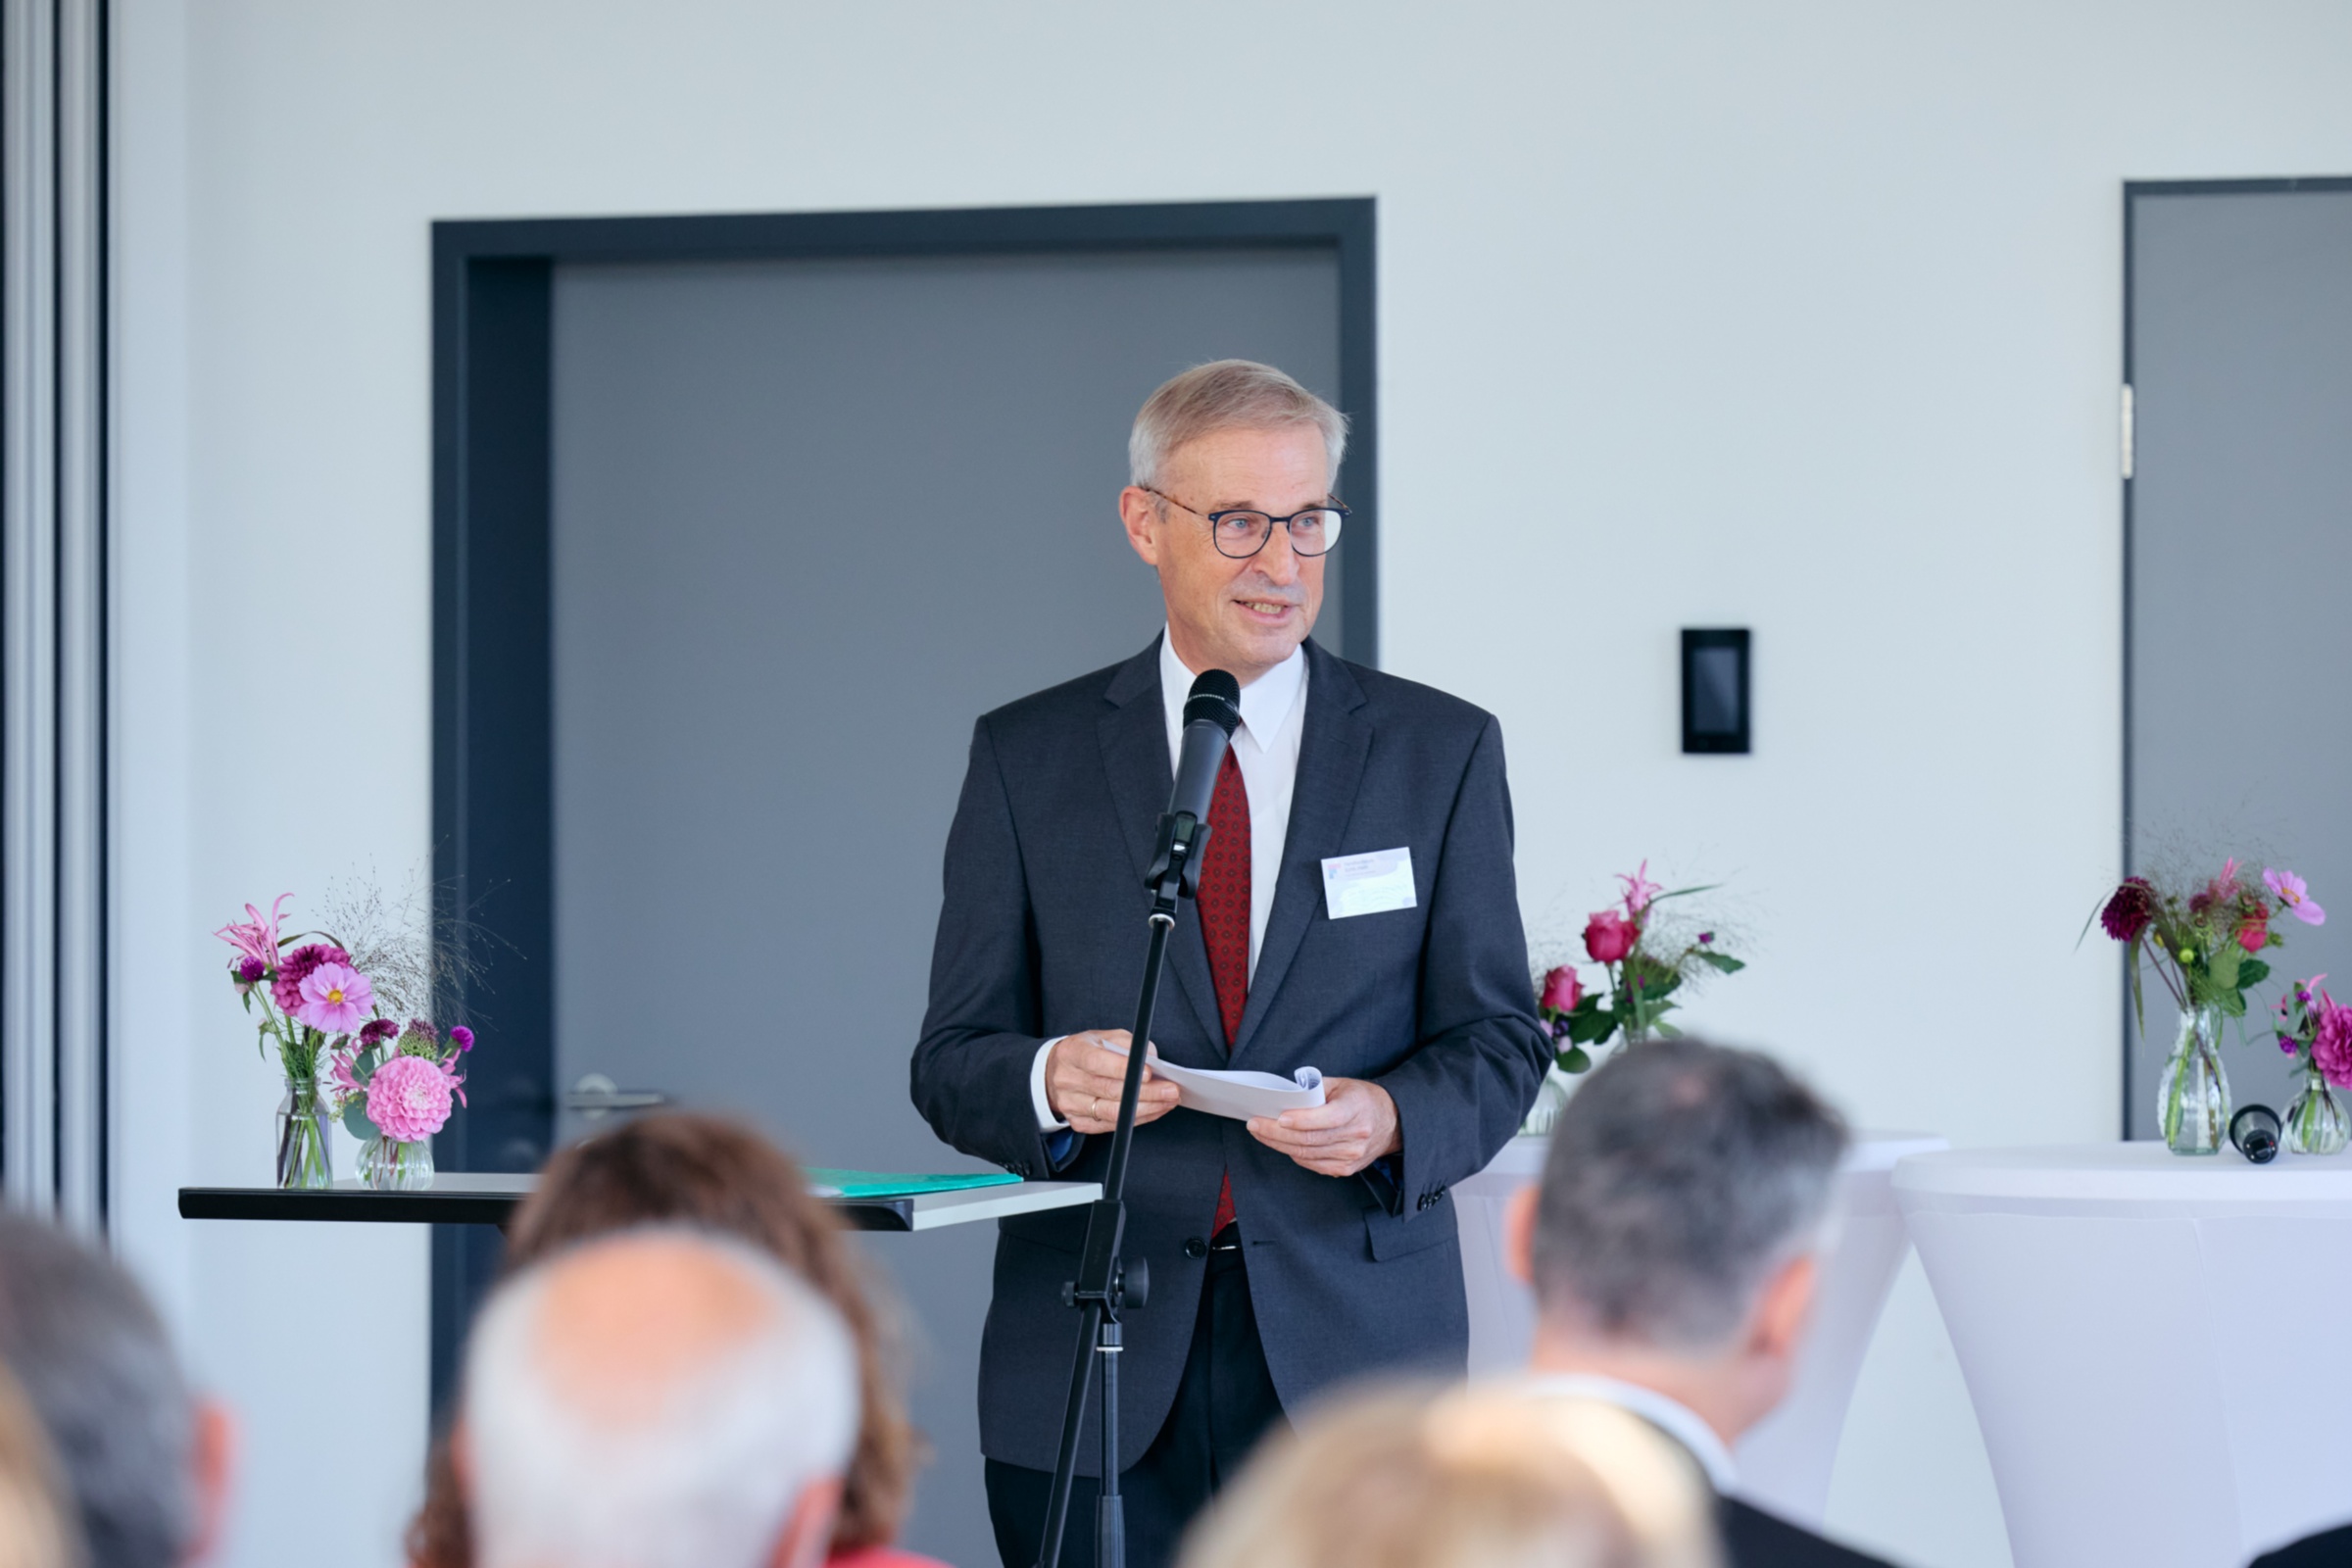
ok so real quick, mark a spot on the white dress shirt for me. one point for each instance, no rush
(1266, 750)
(1671, 1416)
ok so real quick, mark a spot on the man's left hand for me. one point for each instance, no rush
(1355, 1125)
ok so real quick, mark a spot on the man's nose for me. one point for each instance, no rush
(1278, 560)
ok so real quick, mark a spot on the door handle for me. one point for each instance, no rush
(596, 1097)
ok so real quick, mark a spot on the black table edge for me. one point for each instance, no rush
(346, 1207)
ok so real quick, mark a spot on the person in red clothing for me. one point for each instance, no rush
(676, 1168)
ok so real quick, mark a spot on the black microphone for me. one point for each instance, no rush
(2255, 1132)
(1211, 711)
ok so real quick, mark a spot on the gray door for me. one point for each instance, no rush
(810, 520)
(2239, 705)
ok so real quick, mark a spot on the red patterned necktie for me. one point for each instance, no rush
(1225, 920)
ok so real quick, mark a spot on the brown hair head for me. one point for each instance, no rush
(675, 1167)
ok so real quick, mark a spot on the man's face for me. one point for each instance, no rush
(1245, 616)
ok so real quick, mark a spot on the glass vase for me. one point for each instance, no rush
(2192, 1100)
(1552, 1097)
(389, 1166)
(2315, 1118)
(304, 1159)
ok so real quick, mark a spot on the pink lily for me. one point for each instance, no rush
(1639, 891)
(2293, 896)
(257, 936)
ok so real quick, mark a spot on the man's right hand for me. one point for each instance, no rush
(1084, 1076)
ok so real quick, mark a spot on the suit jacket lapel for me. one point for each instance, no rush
(1135, 760)
(1331, 763)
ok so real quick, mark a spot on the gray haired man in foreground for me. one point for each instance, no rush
(656, 1399)
(146, 1460)
(1674, 1244)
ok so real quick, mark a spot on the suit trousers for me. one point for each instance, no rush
(1224, 1403)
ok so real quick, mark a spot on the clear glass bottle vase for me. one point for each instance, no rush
(2315, 1123)
(2192, 1099)
(389, 1166)
(304, 1155)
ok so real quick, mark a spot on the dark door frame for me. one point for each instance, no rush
(2133, 190)
(493, 839)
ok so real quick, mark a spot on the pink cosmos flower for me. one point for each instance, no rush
(1611, 936)
(1561, 990)
(409, 1098)
(2331, 1046)
(2292, 894)
(1639, 891)
(295, 967)
(256, 936)
(335, 998)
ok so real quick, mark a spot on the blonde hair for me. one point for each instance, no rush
(1467, 1478)
(33, 1530)
(1226, 395)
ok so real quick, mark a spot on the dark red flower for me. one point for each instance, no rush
(376, 1031)
(2131, 909)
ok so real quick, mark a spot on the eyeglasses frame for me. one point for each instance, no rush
(1268, 537)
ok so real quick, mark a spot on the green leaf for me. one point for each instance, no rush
(1667, 1031)
(1591, 1028)
(2222, 964)
(355, 1119)
(2252, 973)
(1723, 962)
(2231, 1003)
(1573, 1059)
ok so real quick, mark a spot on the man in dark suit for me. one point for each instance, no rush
(1358, 913)
(1673, 1242)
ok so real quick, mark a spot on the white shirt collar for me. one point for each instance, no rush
(1265, 701)
(1670, 1416)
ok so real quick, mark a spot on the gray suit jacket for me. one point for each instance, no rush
(1043, 933)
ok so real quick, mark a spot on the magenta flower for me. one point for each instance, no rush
(2130, 911)
(250, 972)
(409, 1098)
(2292, 894)
(461, 1038)
(335, 998)
(1639, 891)
(1611, 936)
(296, 967)
(256, 936)
(2331, 1046)
(1561, 991)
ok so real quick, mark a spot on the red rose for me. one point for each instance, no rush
(2254, 935)
(1561, 992)
(1611, 936)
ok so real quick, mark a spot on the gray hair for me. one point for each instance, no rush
(702, 1476)
(1680, 1175)
(1226, 395)
(96, 1365)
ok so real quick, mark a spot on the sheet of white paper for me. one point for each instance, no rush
(1368, 884)
(1226, 1091)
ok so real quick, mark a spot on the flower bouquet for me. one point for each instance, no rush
(1648, 959)
(2316, 1030)
(315, 1001)
(2204, 942)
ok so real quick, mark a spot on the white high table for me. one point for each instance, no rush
(2150, 1341)
(1784, 1463)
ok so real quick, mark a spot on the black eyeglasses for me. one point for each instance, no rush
(1243, 534)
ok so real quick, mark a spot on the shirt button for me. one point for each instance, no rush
(1195, 1246)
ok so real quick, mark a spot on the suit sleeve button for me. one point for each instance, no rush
(1195, 1246)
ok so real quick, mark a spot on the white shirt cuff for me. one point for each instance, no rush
(1047, 1121)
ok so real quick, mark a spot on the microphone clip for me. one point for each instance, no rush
(1183, 845)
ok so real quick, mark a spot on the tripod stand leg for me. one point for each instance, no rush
(1058, 1504)
(1111, 1513)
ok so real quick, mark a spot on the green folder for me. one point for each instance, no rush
(901, 1184)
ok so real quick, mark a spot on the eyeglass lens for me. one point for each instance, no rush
(1245, 533)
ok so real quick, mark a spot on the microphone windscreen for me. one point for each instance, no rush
(1216, 697)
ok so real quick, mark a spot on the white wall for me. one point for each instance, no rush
(1803, 318)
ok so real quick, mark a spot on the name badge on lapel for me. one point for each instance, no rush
(1368, 884)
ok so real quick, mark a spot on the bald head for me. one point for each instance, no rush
(656, 1398)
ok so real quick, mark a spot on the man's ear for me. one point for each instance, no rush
(808, 1533)
(1519, 1234)
(1784, 1309)
(213, 1463)
(1138, 513)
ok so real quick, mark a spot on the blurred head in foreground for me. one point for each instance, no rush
(33, 1530)
(1467, 1478)
(716, 1175)
(1673, 1240)
(656, 1399)
(144, 1463)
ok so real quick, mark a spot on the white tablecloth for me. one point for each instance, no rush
(2150, 1343)
(1784, 1463)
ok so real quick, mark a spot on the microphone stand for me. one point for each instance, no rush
(1106, 1285)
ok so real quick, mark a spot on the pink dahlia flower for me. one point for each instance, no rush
(1561, 990)
(295, 967)
(409, 1098)
(1611, 936)
(335, 998)
(2293, 896)
(2331, 1046)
